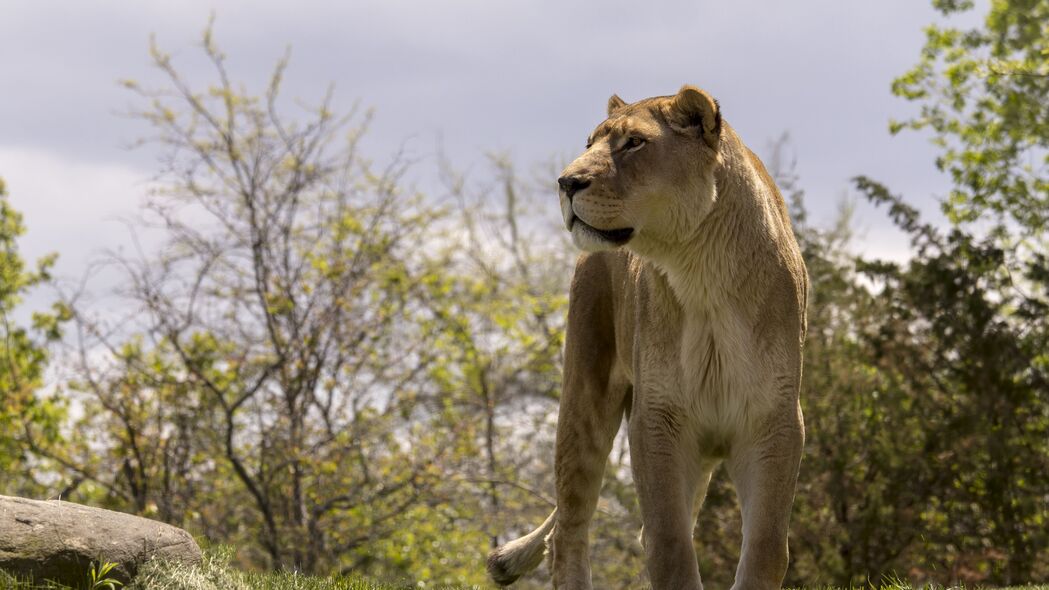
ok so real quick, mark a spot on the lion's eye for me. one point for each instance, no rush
(633, 142)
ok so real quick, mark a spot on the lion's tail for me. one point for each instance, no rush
(520, 556)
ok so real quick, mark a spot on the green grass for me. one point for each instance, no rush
(215, 573)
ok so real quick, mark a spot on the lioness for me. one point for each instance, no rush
(687, 314)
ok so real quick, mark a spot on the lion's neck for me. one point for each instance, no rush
(723, 261)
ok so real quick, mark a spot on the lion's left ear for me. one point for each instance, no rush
(693, 110)
(615, 103)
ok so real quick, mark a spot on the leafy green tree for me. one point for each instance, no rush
(263, 386)
(317, 365)
(29, 419)
(982, 94)
(967, 346)
(940, 469)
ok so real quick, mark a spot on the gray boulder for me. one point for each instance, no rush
(59, 541)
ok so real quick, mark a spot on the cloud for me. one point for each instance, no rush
(70, 206)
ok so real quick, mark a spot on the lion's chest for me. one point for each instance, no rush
(722, 377)
(705, 356)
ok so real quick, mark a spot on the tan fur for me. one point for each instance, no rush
(692, 326)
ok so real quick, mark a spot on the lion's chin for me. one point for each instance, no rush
(589, 238)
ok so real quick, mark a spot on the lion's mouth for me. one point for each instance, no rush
(615, 236)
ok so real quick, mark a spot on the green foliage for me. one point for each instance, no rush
(966, 326)
(926, 383)
(265, 393)
(23, 357)
(495, 322)
(321, 371)
(98, 577)
(983, 95)
(965, 345)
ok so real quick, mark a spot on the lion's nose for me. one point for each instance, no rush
(572, 184)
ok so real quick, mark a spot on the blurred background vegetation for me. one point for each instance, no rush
(335, 373)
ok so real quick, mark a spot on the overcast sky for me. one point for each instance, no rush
(527, 77)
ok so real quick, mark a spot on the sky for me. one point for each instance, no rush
(528, 78)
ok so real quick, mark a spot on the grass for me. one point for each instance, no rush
(215, 573)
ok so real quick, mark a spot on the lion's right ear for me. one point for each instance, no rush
(693, 110)
(615, 103)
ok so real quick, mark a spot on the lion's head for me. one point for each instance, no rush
(647, 175)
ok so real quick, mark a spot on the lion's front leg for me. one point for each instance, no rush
(667, 480)
(765, 471)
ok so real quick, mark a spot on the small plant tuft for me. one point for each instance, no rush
(98, 577)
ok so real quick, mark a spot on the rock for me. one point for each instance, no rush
(59, 541)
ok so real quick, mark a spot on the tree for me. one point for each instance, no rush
(317, 365)
(981, 288)
(265, 380)
(956, 354)
(967, 348)
(982, 94)
(24, 357)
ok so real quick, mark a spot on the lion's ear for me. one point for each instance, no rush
(693, 110)
(615, 103)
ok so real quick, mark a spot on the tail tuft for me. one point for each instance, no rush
(520, 556)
